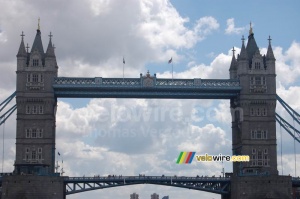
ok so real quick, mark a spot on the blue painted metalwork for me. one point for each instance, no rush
(208, 184)
(288, 127)
(146, 87)
(292, 112)
(296, 181)
(6, 115)
(6, 101)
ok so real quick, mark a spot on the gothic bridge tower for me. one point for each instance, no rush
(36, 105)
(34, 176)
(254, 125)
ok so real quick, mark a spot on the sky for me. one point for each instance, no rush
(145, 136)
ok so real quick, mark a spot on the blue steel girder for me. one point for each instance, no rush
(288, 127)
(296, 181)
(146, 87)
(208, 184)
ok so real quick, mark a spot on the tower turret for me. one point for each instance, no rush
(233, 66)
(50, 58)
(22, 54)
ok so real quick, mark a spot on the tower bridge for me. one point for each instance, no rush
(251, 90)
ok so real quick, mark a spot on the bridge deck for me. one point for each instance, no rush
(208, 184)
(146, 87)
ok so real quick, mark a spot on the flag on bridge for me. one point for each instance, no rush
(170, 61)
(58, 153)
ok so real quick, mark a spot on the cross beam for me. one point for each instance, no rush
(146, 87)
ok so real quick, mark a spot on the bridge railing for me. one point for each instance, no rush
(139, 82)
(70, 179)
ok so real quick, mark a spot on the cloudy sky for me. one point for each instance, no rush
(145, 136)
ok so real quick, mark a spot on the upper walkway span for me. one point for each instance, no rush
(146, 87)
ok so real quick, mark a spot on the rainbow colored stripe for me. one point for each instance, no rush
(185, 157)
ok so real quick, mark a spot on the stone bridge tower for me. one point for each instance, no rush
(36, 106)
(34, 176)
(254, 125)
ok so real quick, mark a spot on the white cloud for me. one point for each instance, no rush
(231, 29)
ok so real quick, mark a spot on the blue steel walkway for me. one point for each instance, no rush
(146, 87)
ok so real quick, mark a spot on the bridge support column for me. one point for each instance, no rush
(261, 187)
(33, 187)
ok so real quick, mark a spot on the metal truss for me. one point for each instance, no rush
(208, 184)
(288, 127)
(6, 115)
(146, 87)
(6, 101)
(292, 112)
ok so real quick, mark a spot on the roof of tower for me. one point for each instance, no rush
(251, 45)
(243, 53)
(22, 51)
(50, 48)
(270, 54)
(37, 44)
(233, 65)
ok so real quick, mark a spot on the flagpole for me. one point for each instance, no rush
(123, 66)
(172, 70)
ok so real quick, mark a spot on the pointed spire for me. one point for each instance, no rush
(243, 53)
(50, 49)
(270, 54)
(37, 44)
(251, 45)
(233, 65)
(22, 51)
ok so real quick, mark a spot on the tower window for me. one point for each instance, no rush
(264, 112)
(33, 155)
(259, 134)
(257, 80)
(258, 112)
(41, 111)
(257, 65)
(28, 133)
(41, 78)
(27, 109)
(264, 135)
(252, 111)
(263, 80)
(33, 134)
(40, 133)
(28, 77)
(35, 62)
(34, 109)
(35, 78)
